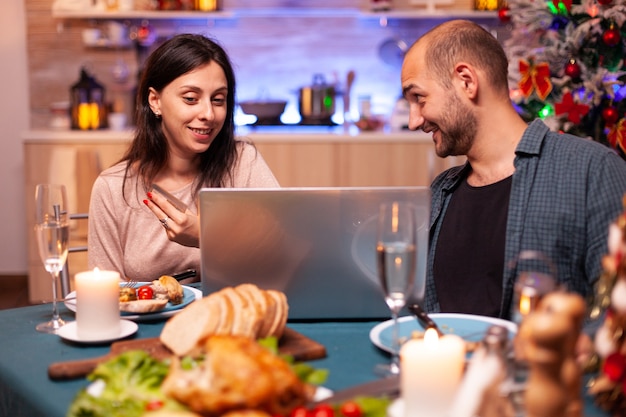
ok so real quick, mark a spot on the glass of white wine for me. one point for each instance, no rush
(397, 261)
(52, 231)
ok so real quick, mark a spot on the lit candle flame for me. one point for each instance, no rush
(431, 338)
(527, 300)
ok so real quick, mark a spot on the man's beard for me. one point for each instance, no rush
(457, 128)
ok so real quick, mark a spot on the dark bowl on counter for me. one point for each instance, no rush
(264, 109)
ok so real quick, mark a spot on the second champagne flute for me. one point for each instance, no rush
(52, 231)
(396, 260)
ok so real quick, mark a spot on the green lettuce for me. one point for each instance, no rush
(122, 386)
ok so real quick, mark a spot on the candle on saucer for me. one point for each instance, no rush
(430, 372)
(97, 304)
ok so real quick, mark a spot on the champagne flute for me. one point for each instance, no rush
(52, 231)
(396, 259)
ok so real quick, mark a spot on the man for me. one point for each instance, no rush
(523, 187)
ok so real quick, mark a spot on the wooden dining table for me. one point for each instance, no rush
(26, 389)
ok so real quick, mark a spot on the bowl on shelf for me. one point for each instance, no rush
(264, 109)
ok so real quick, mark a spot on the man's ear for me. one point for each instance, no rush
(466, 79)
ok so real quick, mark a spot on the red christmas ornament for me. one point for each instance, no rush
(610, 115)
(572, 69)
(611, 37)
(504, 14)
(605, 2)
(615, 367)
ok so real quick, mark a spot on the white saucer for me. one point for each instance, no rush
(396, 408)
(69, 332)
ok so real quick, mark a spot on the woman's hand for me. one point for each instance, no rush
(182, 228)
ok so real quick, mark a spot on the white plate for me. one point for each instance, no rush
(189, 295)
(70, 332)
(470, 327)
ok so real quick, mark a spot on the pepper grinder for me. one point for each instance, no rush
(481, 391)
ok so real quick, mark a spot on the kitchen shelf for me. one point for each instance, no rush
(416, 13)
(140, 15)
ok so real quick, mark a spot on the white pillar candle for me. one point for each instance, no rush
(97, 304)
(430, 372)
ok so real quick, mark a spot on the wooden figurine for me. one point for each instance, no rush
(547, 339)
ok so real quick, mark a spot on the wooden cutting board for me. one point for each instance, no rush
(291, 343)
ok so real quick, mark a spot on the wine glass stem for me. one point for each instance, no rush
(395, 355)
(55, 311)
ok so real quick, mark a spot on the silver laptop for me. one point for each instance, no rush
(315, 244)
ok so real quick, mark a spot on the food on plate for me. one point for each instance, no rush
(152, 297)
(167, 287)
(145, 292)
(470, 346)
(127, 294)
(215, 383)
(244, 310)
(246, 413)
(213, 387)
(143, 306)
(122, 386)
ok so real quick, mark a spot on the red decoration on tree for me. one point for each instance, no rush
(605, 2)
(611, 37)
(574, 110)
(566, 3)
(572, 69)
(504, 14)
(617, 135)
(535, 77)
(610, 115)
(615, 367)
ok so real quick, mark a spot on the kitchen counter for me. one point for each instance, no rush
(255, 133)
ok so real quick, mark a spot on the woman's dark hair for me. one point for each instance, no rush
(148, 152)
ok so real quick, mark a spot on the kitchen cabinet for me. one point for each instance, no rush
(329, 159)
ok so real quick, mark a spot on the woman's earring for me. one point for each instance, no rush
(157, 114)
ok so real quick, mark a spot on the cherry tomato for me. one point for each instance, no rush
(154, 405)
(145, 293)
(322, 410)
(351, 409)
(299, 412)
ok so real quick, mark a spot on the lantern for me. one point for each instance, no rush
(489, 4)
(87, 103)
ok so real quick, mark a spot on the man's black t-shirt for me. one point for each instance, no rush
(469, 257)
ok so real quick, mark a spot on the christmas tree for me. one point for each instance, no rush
(567, 65)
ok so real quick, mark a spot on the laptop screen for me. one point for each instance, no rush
(318, 245)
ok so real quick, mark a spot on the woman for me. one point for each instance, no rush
(184, 141)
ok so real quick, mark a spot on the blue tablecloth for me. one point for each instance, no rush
(26, 390)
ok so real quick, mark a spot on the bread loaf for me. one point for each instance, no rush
(245, 310)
